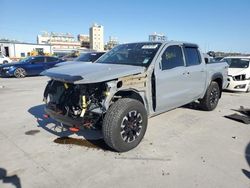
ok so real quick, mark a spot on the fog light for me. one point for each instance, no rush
(242, 86)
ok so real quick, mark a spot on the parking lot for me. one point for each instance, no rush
(182, 148)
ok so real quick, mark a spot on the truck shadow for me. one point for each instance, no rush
(247, 155)
(193, 106)
(14, 179)
(92, 138)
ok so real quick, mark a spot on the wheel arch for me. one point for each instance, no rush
(218, 78)
(131, 93)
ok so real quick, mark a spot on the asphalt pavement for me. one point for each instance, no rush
(184, 147)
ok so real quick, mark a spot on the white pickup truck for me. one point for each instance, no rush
(130, 83)
(4, 59)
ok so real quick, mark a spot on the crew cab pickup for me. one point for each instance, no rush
(130, 83)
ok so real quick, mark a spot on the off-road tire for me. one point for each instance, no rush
(211, 98)
(20, 73)
(113, 123)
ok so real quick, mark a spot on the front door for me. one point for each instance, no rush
(36, 66)
(170, 76)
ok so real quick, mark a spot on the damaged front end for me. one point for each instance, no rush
(75, 104)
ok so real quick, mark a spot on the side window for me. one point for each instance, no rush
(93, 57)
(51, 59)
(172, 57)
(38, 60)
(192, 56)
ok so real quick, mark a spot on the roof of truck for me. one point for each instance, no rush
(167, 42)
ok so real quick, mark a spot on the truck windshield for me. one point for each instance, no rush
(138, 54)
(238, 63)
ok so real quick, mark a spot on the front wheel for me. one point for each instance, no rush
(125, 124)
(211, 98)
(5, 62)
(20, 73)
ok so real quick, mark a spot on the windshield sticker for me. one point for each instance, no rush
(151, 46)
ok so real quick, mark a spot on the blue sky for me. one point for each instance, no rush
(214, 25)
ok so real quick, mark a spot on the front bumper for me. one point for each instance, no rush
(6, 72)
(234, 85)
(63, 119)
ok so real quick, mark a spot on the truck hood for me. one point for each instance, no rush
(238, 71)
(82, 73)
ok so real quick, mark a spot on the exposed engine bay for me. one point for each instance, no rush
(80, 104)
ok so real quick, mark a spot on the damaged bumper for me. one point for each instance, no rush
(74, 105)
(62, 118)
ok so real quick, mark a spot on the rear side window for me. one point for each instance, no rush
(192, 56)
(51, 59)
(172, 57)
(37, 60)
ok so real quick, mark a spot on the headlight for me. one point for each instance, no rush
(239, 77)
(7, 68)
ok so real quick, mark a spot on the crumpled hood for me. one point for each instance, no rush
(238, 71)
(81, 73)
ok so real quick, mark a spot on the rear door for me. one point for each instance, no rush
(196, 72)
(51, 62)
(170, 76)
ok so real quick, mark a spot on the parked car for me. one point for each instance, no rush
(129, 84)
(4, 59)
(29, 66)
(89, 57)
(238, 73)
(84, 57)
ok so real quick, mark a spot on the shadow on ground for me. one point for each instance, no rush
(14, 179)
(193, 106)
(247, 155)
(91, 138)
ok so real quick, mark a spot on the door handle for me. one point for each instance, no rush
(184, 73)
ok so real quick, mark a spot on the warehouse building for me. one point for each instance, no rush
(18, 50)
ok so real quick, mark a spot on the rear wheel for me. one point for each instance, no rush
(211, 98)
(125, 124)
(20, 73)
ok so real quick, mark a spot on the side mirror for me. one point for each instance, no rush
(206, 60)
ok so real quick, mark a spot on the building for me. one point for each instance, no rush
(14, 49)
(113, 41)
(156, 37)
(84, 39)
(60, 42)
(96, 34)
